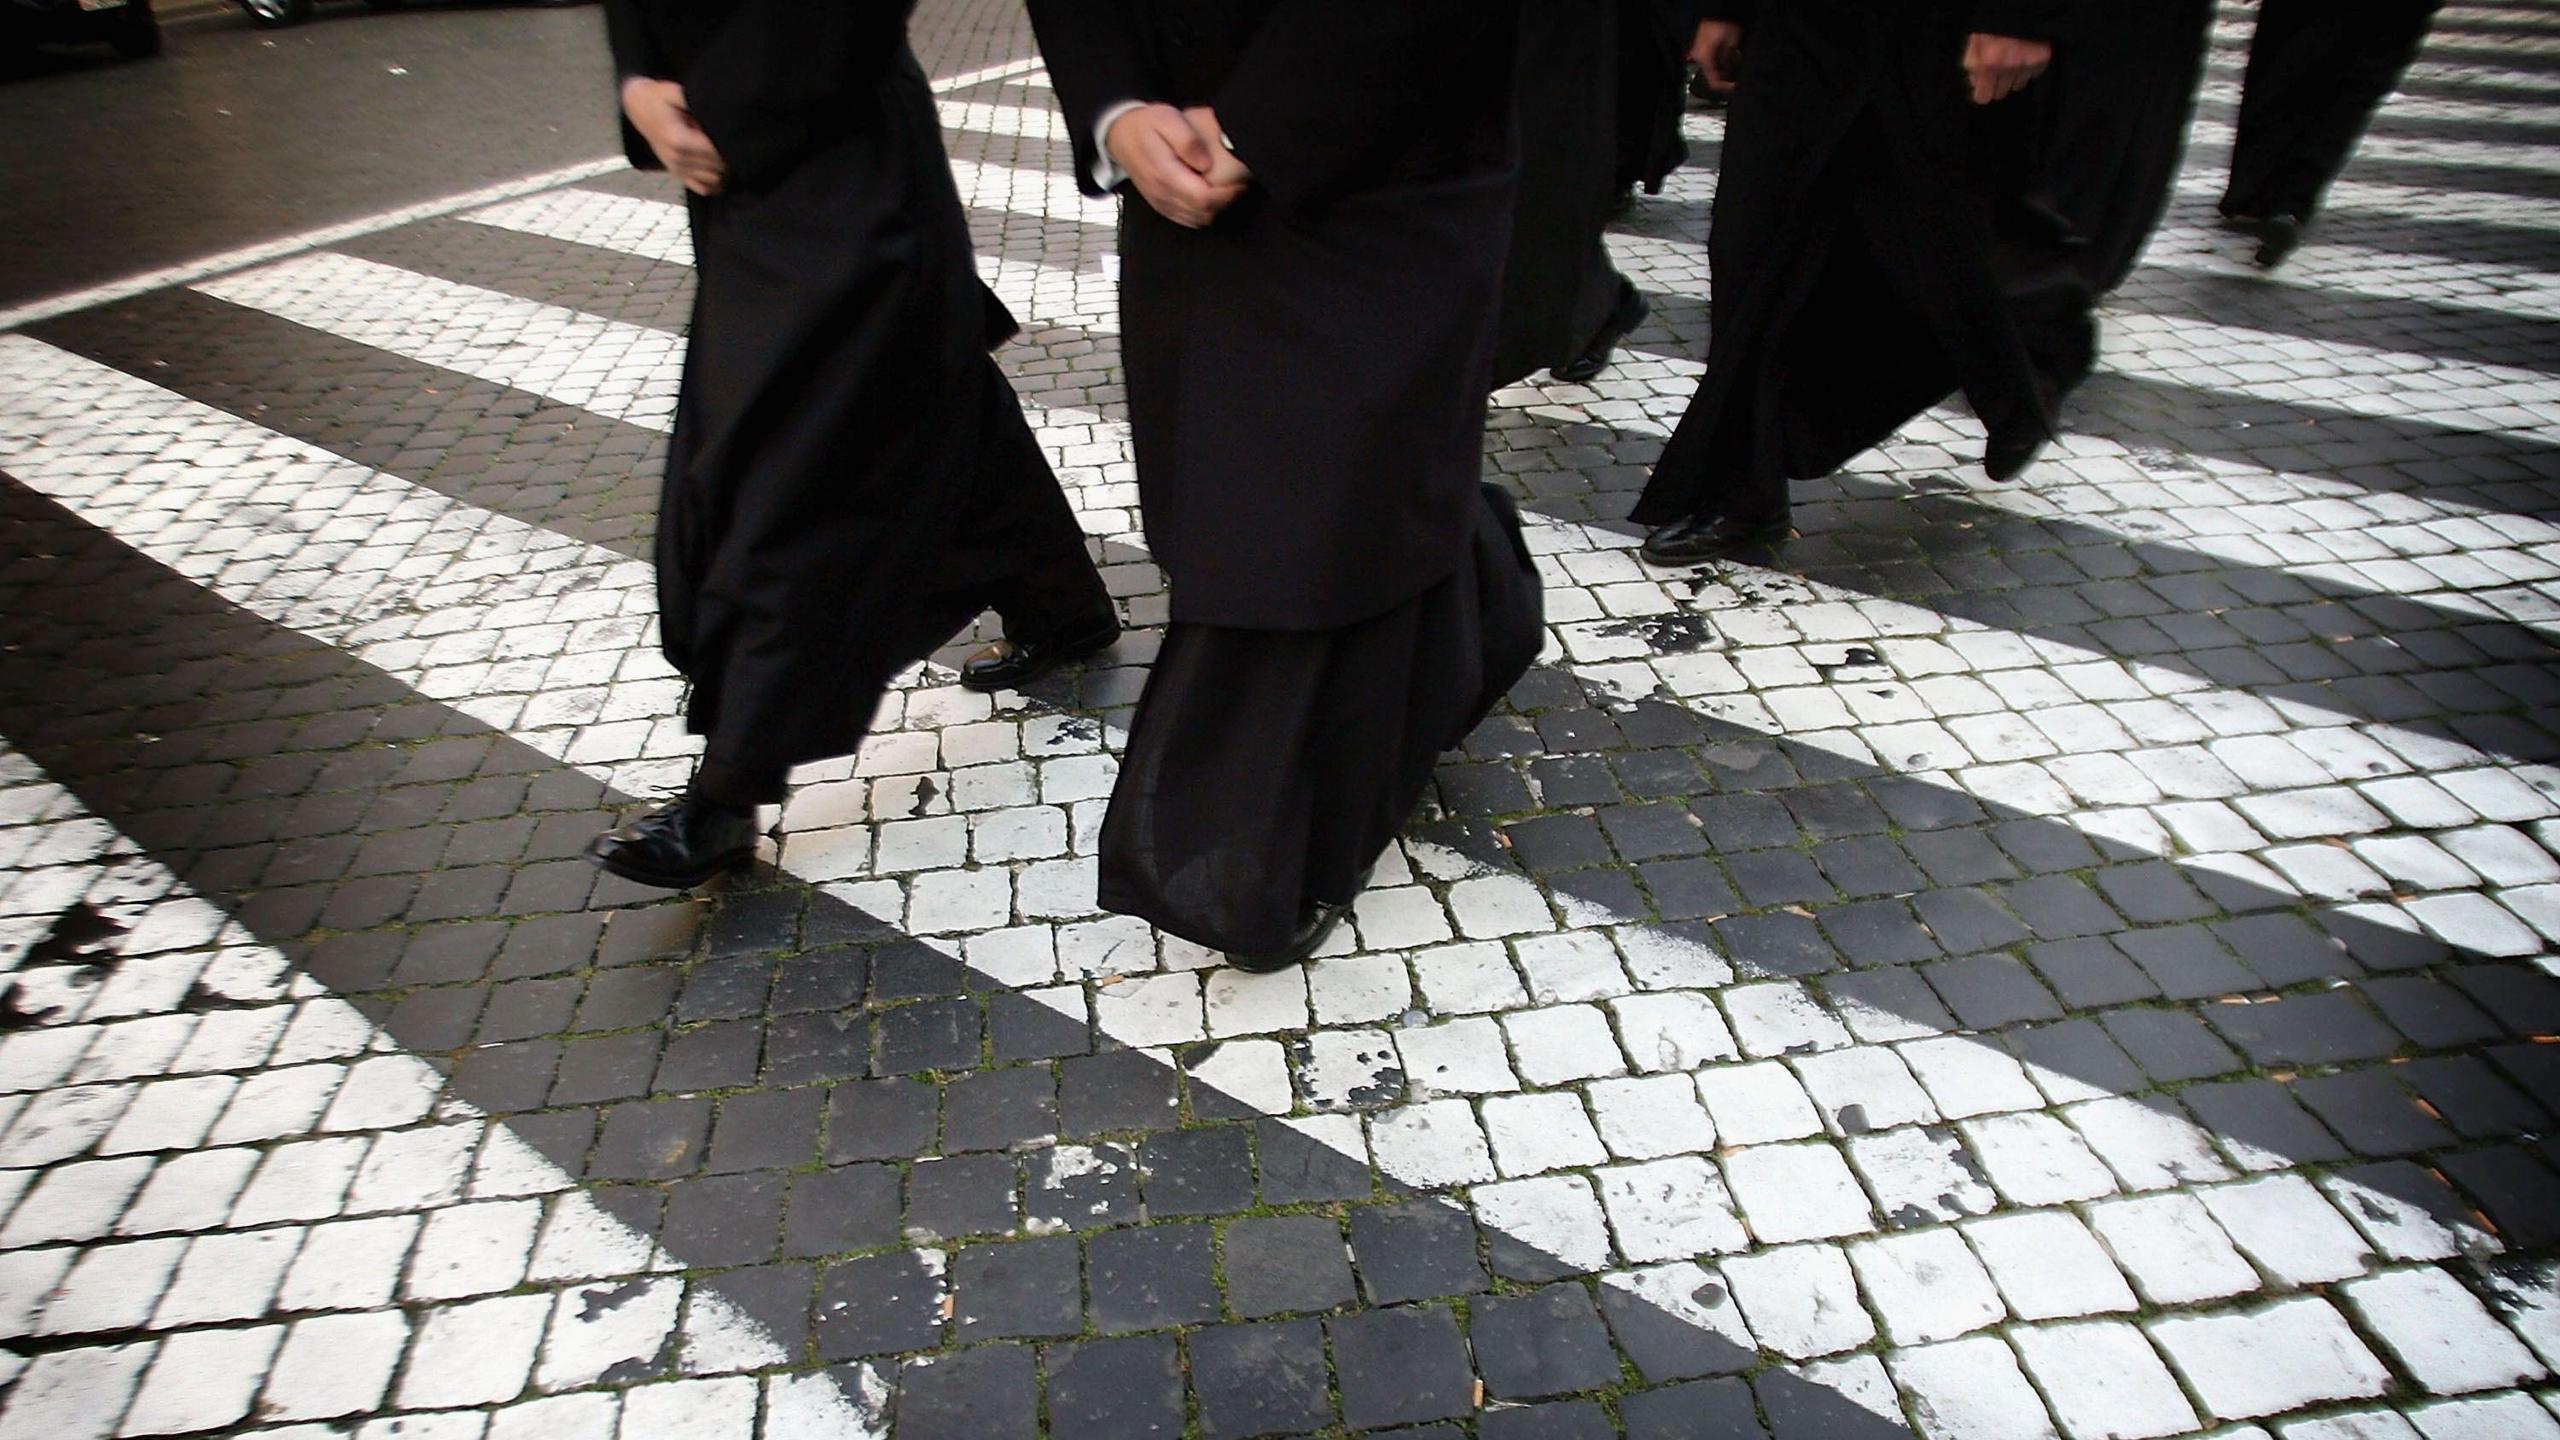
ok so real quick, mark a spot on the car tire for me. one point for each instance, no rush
(277, 12)
(138, 37)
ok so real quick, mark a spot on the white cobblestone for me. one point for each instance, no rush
(2172, 1249)
(1926, 1285)
(2286, 1225)
(2104, 1381)
(2047, 1265)
(1800, 1300)
(2440, 1332)
(2287, 1356)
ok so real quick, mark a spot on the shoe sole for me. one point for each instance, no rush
(1769, 540)
(663, 880)
(1607, 343)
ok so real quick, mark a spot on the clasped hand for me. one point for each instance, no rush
(1995, 66)
(1179, 161)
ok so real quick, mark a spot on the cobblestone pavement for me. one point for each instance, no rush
(2065, 959)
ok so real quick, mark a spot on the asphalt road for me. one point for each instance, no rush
(237, 135)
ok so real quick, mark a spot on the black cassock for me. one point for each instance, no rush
(2098, 137)
(851, 479)
(2318, 70)
(1653, 91)
(1858, 268)
(1558, 286)
(1307, 396)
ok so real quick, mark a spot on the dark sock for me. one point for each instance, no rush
(739, 787)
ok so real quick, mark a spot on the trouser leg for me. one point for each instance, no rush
(739, 785)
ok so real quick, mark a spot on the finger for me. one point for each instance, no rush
(1191, 149)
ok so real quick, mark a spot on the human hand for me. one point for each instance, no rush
(2000, 65)
(1225, 167)
(656, 109)
(1169, 160)
(1717, 52)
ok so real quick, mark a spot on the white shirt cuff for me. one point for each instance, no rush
(1106, 171)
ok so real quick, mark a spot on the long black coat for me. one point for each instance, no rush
(837, 410)
(1558, 285)
(1307, 376)
(1653, 90)
(2318, 70)
(2099, 137)
(1857, 276)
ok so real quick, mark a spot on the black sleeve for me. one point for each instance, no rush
(1325, 86)
(634, 53)
(784, 77)
(2024, 19)
(1091, 48)
(1676, 21)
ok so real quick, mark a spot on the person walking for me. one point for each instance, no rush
(1565, 307)
(2318, 70)
(1312, 240)
(851, 478)
(1857, 276)
(2095, 143)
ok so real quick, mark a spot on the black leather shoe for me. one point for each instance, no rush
(1711, 537)
(2278, 237)
(1312, 932)
(679, 845)
(1622, 322)
(1008, 665)
(2007, 453)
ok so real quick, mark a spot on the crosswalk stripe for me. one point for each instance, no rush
(2351, 271)
(628, 372)
(985, 117)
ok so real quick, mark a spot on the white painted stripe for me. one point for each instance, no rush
(2348, 273)
(1018, 121)
(1018, 190)
(972, 79)
(259, 254)
(628, 372)
(657, 230)
(630, 224)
